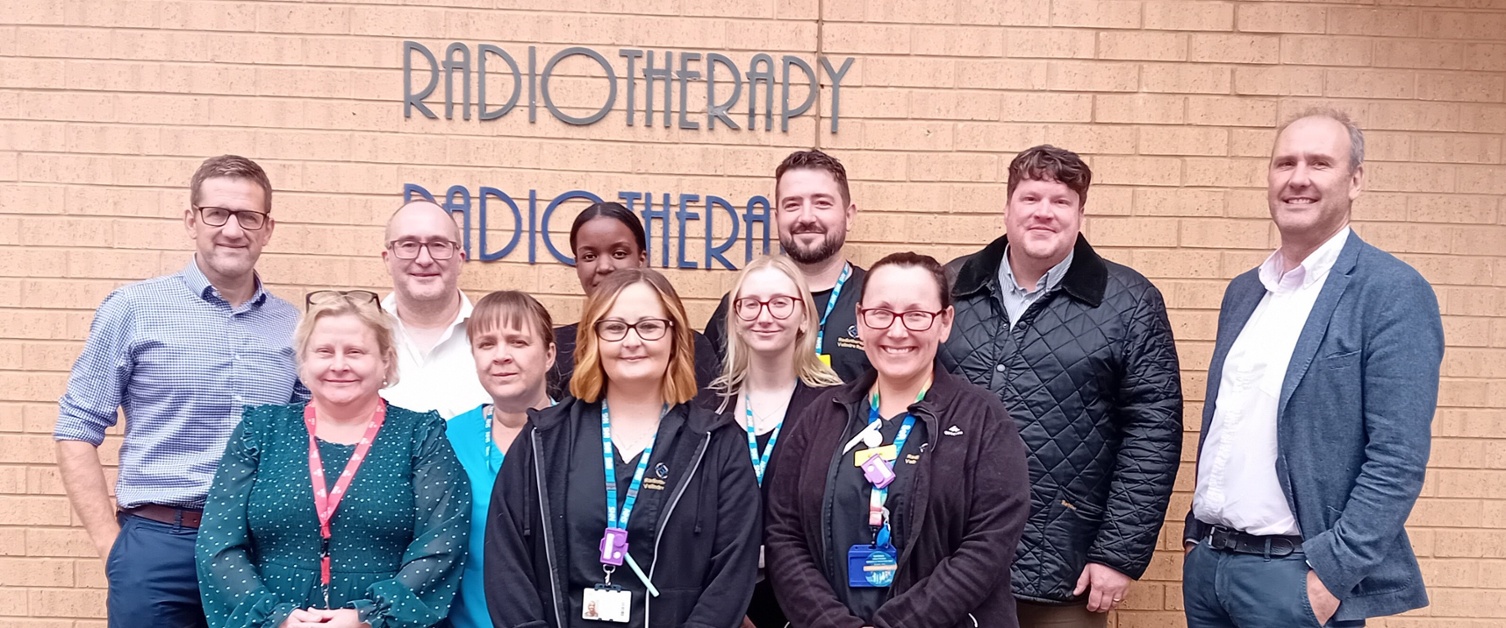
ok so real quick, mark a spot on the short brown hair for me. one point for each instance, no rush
(230, 167)
(907, 259)
(814, 160)
(589, 381)
(510, 308)
(1049, 163)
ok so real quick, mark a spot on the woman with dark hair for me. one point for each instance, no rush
(605, 238)
(898, 499)
(512, 342)
(677, 541)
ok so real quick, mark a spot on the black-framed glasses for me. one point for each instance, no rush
(439, 250)
(612, 330)
(249, 219)
(358, 297)
(780, 307)
(914, 320)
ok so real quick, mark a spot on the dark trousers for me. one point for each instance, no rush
(1227, 590)
(152, 577)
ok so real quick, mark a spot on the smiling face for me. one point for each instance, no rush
(1042, 220)
(765, 334)
(604, 245)
(342, 363)
(228, 252)
(813, 218)
(423, 279)
(512, 363)
(632, 360)
(898, 353)
(1310, 186)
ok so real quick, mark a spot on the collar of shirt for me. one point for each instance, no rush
(1310, 271)
(199, 284)
(390, 305)
(1051, 279)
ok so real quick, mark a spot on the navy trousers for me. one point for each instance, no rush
(153, 581)
(1227, 590)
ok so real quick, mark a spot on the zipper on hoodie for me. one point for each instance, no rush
(664, 523)
(538, 474)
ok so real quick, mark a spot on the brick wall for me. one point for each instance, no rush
(106, 108)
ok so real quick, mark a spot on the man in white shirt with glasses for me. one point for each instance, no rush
(423, 254)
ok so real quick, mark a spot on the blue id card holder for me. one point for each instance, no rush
(871, 566)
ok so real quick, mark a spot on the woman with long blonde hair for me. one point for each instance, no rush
(771, 367)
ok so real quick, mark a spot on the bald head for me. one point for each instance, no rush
(421, 215)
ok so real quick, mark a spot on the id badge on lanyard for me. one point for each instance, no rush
(327, 501)
(606, 601)
(872, 565)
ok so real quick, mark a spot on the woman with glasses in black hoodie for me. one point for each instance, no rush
(625, 504)
(899, 498)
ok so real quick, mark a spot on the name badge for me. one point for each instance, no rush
(607, 603)
(825, 359)
(871, 567)
(887, 452)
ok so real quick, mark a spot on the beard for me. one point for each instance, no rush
(820, 252)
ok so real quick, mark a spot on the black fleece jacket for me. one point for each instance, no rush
(703, 556)
(969, 503)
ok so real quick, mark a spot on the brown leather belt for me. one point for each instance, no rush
(185, 517)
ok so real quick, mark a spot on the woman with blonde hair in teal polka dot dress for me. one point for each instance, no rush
(342, 512)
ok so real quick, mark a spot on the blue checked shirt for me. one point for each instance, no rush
(182, 363)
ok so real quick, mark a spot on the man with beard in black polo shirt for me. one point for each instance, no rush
(813, 210)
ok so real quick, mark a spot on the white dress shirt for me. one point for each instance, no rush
(1236, 473)
(1016, 298)
(442, 378)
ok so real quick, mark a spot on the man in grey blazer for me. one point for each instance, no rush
(1319, 411)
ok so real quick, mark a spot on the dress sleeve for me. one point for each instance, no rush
(423, 589)
(229, 583)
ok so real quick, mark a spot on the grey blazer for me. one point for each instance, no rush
(1354, 423)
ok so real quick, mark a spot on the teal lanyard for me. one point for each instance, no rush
(613, 520)
(760, 461)
(831, 304)
(494, 454)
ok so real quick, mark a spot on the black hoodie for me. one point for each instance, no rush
(696, 533)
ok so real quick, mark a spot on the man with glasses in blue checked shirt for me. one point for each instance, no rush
(181, 355)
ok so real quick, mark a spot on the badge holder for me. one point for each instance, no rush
(606, 601)
(873, 566)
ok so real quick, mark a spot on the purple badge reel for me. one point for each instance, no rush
(878, 472)
(614, 546)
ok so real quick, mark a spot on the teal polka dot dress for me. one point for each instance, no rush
(398, 542)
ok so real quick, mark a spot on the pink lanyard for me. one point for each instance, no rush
(325, 502)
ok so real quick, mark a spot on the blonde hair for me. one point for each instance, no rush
(588, 382)
(369, 313)
(808, 366)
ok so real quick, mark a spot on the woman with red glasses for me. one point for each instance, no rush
(898, 499)
(770, 371)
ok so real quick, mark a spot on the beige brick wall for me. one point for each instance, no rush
(107, 106)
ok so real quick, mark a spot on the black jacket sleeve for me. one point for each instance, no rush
(980, 565)
(1150, 425)
(734, 557)
(804, 594)
(716, 329)
(512, 594)
(708, 365)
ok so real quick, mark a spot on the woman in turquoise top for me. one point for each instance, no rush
(370, 532)
(512, 339)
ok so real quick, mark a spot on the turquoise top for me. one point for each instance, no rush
(398, 538)
(481, 459)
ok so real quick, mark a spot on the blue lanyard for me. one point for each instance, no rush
(877, 497)
(613, 521)
(831, 304)
(760, 462)
(494, 462)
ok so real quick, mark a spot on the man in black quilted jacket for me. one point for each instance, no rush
(1080, 350)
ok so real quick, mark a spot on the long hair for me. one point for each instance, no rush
(589, 382)
(808, 367)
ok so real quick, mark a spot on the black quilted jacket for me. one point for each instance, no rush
(1090, 376)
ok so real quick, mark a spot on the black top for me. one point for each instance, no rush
(708, 363)
(847, 506)
(841, 338)
(586, 511)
